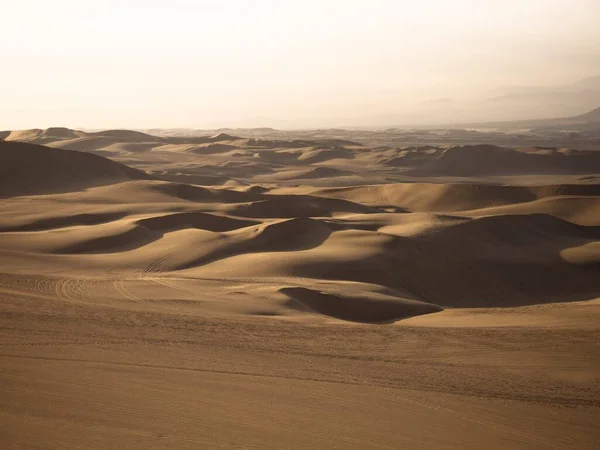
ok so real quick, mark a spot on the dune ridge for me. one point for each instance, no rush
(32, 169)
(274, 159)
(423, 242)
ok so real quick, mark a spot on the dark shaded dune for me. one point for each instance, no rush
(339, 142)
(274, 157)
(128, 136)
(323, 172)
(276, 143)
(400, 161)
(273, 143)
(126, 240)
(233, 169)
(288, 206)
(355, 224)
(27, 169)
(467, 196)
(428, 197)
(381, 269)
(473, 160)
(496, 261)
(357, 309)
(85, 144)
(133, 147)
(204, 221)
(488, 262)
(317, 173)
(212, 149)
(221, 137)
(293, 234)
(566, 189)
(49, 223)
(190, 178)
(256, 189)
(485, 160)
(583, 210)
(421, 149)
(299, 143)
(283, 236)
(4, 134)
(518, 229)
(411, 157)
(61, 132)
(322, 155)
(201, 194)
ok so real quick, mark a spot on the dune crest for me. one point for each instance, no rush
(27, 169)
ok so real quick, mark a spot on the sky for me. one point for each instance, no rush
(282, 63)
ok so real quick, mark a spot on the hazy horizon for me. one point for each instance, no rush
(208, 64)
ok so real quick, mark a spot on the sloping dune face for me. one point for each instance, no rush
(477, 160)
(358, 309)
(365, 253)
(27, 169)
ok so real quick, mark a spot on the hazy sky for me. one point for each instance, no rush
(185, 63)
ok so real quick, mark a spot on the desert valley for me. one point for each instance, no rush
(257, 288)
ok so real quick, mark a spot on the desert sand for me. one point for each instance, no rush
(238, 292)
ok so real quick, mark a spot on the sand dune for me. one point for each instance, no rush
(39, 134)
(221, 274)
(127, 135)
(424, 197)
(355, 234)
(30, 169)
(211, 222)
(48, 223)
(197, 193)
(214, 159)
(478, 160)
(298, 206)
(579, 210)
(113, 242)
(358, 309)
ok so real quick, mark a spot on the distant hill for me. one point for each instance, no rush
(27, 169)
(581, 122)
(485, 160)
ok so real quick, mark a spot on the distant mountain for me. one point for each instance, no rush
(591, 116)
(502, 104)
(582, 122)
(587, 83)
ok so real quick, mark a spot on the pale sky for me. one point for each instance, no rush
(281, 63)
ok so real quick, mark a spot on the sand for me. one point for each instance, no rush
(231, 292)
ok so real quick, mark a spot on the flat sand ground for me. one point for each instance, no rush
(143, 313)
(77, 376)
(81, 377)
